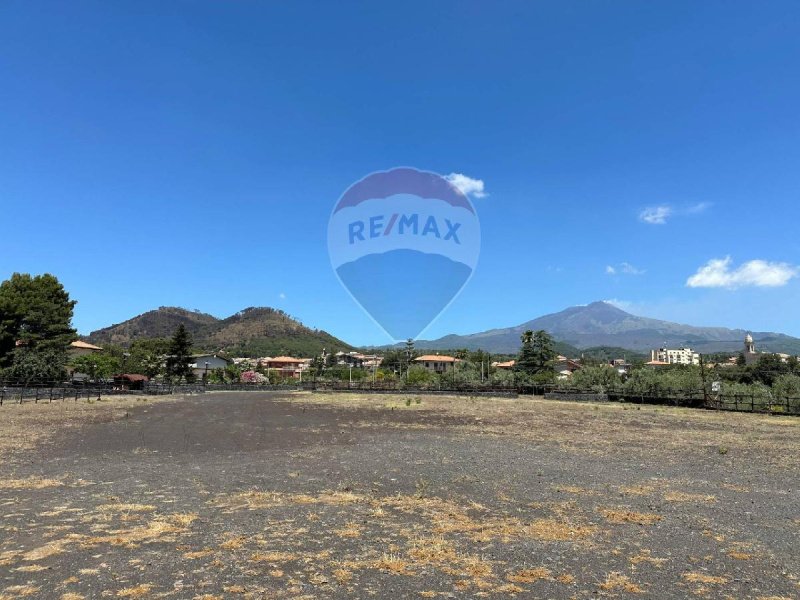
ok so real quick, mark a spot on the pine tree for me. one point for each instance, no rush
(526, 360)
(35, 326)
(180, 355)
(536, 355)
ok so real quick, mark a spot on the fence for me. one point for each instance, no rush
(16, 392)
(686, 398)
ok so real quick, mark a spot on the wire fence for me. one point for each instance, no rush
(14, 392)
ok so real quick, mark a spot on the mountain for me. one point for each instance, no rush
(602, 324)
(250, 332)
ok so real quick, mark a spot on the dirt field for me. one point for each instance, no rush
(249, 495)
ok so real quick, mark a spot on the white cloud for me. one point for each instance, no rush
(282, 296)
(625, 268)
(631, 270)
(760, 273)
(658, 215)
(467, 185)
(621, 304)
(655, 215)
(698, 208)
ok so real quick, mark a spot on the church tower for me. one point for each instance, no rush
(749, 345)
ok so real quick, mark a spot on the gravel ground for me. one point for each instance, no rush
(297, 495)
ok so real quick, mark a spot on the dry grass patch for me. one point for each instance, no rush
(121, 507)
(685, 497)
(273, 557)
(343, 576)
(645, 557)
(509, 589)
(29, 483)
(392, 563)
(637, 490)
(622, 516)
(140, 591)
(618, 581)
(695, 577)
(20, 591)
(198, 554)
(529, 575)
(233, 543)
(72, 596)
(350, 530)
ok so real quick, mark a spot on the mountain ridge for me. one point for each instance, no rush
(603, 324)
(253, 331)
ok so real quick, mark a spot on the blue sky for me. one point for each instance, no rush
(189, 153)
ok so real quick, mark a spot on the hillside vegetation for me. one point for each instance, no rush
(255, 331)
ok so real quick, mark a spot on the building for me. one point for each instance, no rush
(202, 364)
(506, 365)
(437, 363)
(81, 348)
(750, 355)
(655, 364)
(678, 356)
(565, 367)
(286, 366)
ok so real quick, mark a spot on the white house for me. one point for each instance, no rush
(677, 356)
(205, 363)
(437, 363)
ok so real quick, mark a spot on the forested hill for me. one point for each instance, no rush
(255, 331)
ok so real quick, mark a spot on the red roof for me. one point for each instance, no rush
(436, 358)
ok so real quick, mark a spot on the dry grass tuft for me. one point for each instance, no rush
(233, 543)
(273, 557)
(31, 483)
(19, 591)
(618, 581)
(140, 591)
(392, 563)
(529, 575)
(350, 530)
(343, 576)
(124, 508)
(685, 497)
(695, 577)
(620, 516)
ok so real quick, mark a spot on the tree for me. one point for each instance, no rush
(330, 360)
(536, 355)
(787, 386)
(32, 365)
(147, 356)
(410, 350)
(317, 365)
(180, 355)
(768, 368)
(35, 326)
(96, 366)
(599, 378)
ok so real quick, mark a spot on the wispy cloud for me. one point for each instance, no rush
(621, 304)
(698, 208)
(624, 268)
(655, 215)
(467, 185)
(658, 215)
(717, 273)
(282, 296)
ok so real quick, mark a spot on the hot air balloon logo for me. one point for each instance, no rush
(404, 243)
